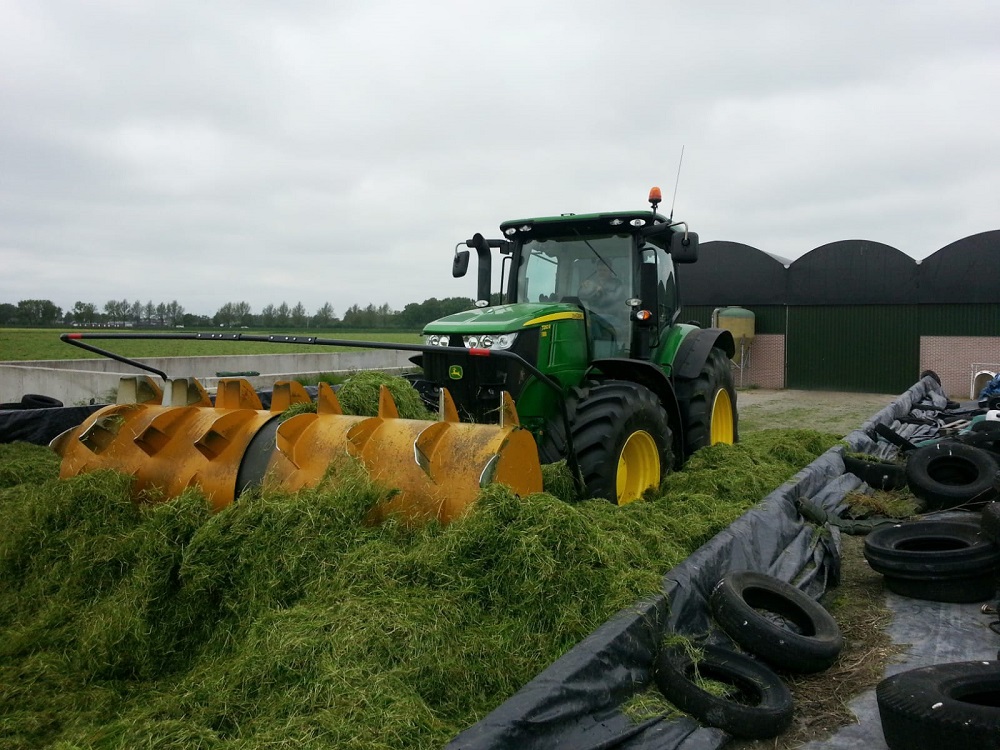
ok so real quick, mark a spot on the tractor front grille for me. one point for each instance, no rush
(475, 383)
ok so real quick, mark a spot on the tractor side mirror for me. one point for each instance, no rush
(684, 247)
(460, 264)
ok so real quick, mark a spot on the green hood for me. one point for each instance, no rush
(499, 319)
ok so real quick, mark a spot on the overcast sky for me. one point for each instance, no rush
(268, 151)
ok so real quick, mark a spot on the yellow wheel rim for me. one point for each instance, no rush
(722, 418)
(638, 467)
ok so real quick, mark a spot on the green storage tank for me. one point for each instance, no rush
(741, 323)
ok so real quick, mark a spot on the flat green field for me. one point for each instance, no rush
(20, 344)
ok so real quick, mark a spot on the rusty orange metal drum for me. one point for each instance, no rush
(170, 448)
(175, 438)
(439, 467)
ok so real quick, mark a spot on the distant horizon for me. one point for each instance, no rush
(785, 261)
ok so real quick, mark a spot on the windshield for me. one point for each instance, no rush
(560, 267)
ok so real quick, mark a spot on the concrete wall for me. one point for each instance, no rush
(78, 381)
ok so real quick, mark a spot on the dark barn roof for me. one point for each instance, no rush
(966, 271)
(731, 273)
(847, 272)
(853, 272)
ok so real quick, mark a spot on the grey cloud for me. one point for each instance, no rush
(270, 151)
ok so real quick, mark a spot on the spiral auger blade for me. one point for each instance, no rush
(173, 438)
(438, 466)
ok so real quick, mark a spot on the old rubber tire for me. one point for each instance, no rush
(621, 437)
(944, 561)
(762, 707)
(38, 401)
(976, 587)
(944, 705)
(983, 435)
(879, 475)
(991, 521)
(949, 474)
(932, 375)
(776, 622)
(708, 404)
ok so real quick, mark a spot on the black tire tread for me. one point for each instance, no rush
(925, 471)
(733, 603)
(601, 416)
(600, 423)
(879, 475)
(991, 522)
(921, 708)
(962, 549)
(979, 587)
(695, 398)
(941, 560)
(768, 716)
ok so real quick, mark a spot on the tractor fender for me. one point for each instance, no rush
(693, 352)
(655, 379)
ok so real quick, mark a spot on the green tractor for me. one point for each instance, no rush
(600, 369)
(583, 360)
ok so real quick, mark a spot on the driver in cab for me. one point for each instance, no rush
(604, 293)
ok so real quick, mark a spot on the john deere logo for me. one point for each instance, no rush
(455, 372)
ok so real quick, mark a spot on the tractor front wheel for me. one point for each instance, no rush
(708, 404)
(622, 439)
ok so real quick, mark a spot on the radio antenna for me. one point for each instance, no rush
(676, 183)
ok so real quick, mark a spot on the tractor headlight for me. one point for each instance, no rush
(489, 341)
(437, 340)
(505, 341)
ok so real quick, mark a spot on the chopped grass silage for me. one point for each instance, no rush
(359, 395)
(883, 504)
(286, 621)
(23, 463)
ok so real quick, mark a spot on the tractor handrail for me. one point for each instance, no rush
(74, 339)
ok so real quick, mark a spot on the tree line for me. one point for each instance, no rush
(126, 314)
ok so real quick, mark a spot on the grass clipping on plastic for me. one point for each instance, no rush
(287, 621)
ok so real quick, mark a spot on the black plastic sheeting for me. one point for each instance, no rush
(39, 426)
(575, 702)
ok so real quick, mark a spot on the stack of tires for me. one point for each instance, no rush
(942, 705)
(771, 620)
(951, 560)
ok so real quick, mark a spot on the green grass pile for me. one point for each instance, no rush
(359, 395)
(26, 464)
(286, 621)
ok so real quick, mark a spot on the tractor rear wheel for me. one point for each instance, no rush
(622, 439)
(708, 404)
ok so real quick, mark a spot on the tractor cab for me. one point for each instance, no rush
(616, 267)
(596, 273)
